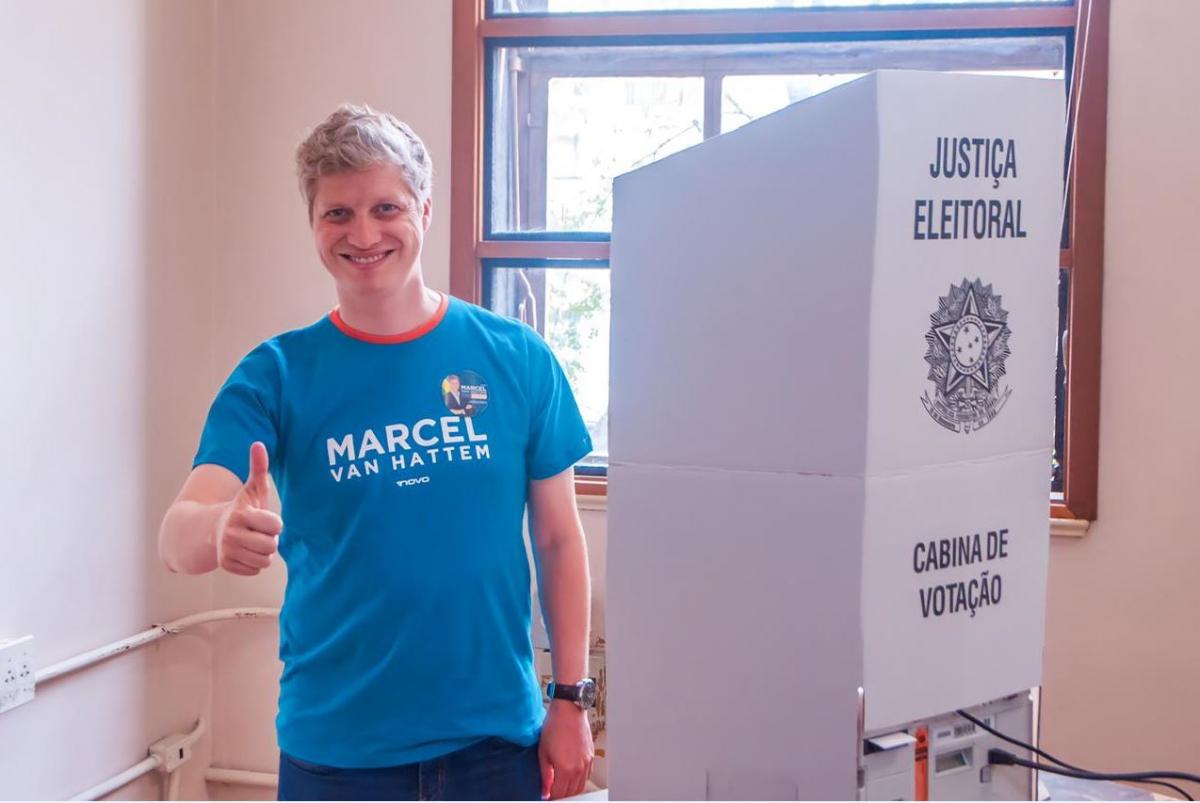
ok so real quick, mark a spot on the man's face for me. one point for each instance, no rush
(368, 228)
(454, 385)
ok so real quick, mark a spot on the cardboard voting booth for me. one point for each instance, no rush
(831, 428)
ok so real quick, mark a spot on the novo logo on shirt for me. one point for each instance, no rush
(448, 439)
(413, 481)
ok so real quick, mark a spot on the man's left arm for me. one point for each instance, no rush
(566, 748)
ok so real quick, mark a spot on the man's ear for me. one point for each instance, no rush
(427, 213)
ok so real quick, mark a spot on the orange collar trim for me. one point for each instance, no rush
(412, 334)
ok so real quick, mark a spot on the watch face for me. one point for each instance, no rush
(587, 693)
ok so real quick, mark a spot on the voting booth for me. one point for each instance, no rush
(832, 404)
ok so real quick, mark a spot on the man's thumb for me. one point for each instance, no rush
(256, 483)
(547, 774)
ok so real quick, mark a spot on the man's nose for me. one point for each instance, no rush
(364, 233)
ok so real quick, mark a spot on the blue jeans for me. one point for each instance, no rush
(493, 769)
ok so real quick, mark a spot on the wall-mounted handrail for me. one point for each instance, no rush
(147, 765)
(241, 777)
(117, 781)
(151, 762)
(146, 637)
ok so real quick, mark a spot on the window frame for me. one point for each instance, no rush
(474, 31)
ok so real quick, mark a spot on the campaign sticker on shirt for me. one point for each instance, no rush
(465, 393)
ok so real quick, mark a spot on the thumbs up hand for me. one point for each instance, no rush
(247, 531)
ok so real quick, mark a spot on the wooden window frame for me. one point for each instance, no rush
(1083, 259)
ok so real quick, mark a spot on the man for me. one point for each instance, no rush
(454, 400)
(405, 626)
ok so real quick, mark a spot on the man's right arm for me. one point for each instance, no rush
(216, 520)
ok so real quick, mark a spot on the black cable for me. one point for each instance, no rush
(1004, 758)
(1046, 755)
(1017, 742)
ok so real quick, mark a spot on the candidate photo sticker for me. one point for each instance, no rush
(465, 393)
(967, 346)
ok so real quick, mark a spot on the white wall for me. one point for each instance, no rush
(103, 366)
(1121, 637)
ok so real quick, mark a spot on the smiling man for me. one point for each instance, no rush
(405, 629)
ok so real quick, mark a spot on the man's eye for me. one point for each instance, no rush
(388, 208)
(335, 214)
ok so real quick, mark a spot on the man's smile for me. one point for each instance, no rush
(369, 259)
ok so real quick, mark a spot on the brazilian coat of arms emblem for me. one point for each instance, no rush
(967, 346)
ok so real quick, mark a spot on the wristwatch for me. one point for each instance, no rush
(583, 693)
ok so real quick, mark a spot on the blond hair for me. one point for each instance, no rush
(359, 137)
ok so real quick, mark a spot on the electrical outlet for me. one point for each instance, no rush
(17, 676)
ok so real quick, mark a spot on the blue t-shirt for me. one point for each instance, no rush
(403, 466)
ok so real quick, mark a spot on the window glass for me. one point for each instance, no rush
(569, 307)
(564, 121)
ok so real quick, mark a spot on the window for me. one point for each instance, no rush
(552, 98)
